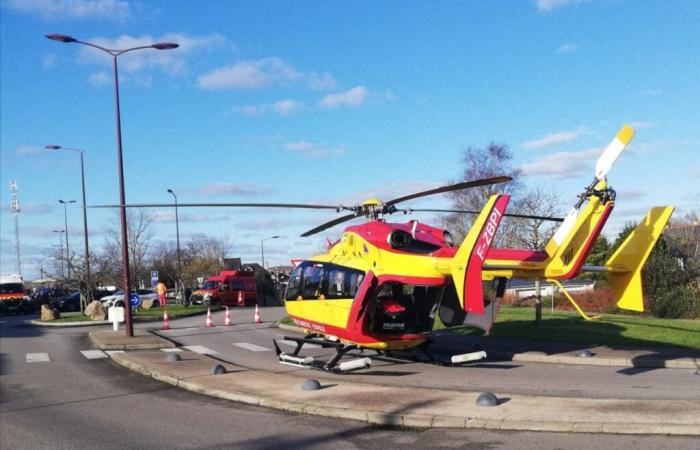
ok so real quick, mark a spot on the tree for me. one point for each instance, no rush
(665, 272)
(139, 237)
(489, 161)
(597, 257)
(203, 256)
(534, 234)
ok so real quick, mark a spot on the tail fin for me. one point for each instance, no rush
(469, 260)
(625, 265)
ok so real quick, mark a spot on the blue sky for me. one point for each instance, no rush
(334, 102)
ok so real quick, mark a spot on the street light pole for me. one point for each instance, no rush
(60, 251)
(262, 249)
(177, 235)
(122, 200)
(88, 277)
(65, 221)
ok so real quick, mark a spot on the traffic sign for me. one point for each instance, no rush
(135, 300)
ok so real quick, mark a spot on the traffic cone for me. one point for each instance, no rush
(257, 315)
(209, 321)
(227, 320)
(240, 298)
(166, 324)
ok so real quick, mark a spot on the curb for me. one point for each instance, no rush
(646, 363)
(413, 420)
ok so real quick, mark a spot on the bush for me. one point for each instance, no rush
(678, 303)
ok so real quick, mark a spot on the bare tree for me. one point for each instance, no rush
(534, 234)
(140, 238)
(489, 161)
(203, 255)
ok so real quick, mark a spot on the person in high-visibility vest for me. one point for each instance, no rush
(161, 293)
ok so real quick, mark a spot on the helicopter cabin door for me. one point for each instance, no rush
(321, 294)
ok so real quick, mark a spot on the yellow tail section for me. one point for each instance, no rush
(575, 238)
(625, 265)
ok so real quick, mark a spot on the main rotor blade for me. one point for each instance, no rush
(327, 225)
(221, 205)
(452, 187)
(462, 211)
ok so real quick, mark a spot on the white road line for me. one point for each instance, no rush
(294, 344)
(37, 357)
(201, 350)
(252, 347)
(94, 354)
(113, 352)
(170, 350)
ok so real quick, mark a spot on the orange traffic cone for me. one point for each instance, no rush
(240, 298)
(166, 324)
(209, 321)
(257, 315)
(227, 320)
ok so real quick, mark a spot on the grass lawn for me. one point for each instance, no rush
(611, 329)
(144, 315)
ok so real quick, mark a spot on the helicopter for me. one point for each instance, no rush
(389, 286)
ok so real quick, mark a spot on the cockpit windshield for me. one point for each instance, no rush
(211, 285)
(313, 280)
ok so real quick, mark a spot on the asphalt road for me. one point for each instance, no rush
(251, 346)
(54, 396)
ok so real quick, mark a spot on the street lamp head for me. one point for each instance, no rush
(53, 147)
(171, 191)
(165, 45)
(274, 237)
(61, 38)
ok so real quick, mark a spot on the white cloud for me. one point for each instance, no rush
(282, 107)
(232, 189)
(28, 150)
(99, 79)
(285, 107)
(639, 125)
(631, 194)
(569, 47)
(353, 97)
(548, 5)
(314, 150)
(695, 172)
(651, 92)
(556, 138)
(249, 75)
(171, 61)
(563, 164)
(49, 61)
(32, 209)
(320, 81)
(73, 9)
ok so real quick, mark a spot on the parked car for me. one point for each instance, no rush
(117, 299)
(67, 303)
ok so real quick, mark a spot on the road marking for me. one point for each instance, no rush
(169, 350)
(37, 357)
(252, 347)
(201, 350)
(294, 344)
(113, 352)
(94, 354)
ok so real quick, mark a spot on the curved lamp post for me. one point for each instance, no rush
(122, 201)
(262, 249)
(88, 277)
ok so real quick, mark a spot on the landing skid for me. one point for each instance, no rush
(309, 362)
(423, 354)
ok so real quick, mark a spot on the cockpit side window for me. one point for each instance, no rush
(312, 280)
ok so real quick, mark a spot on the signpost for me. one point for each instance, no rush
(154, 278)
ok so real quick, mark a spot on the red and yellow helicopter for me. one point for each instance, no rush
(389, 286)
